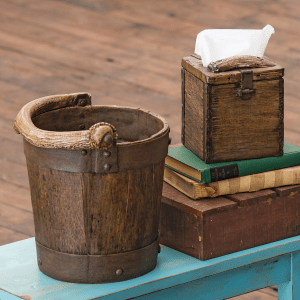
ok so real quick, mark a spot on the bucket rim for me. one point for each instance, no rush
(73, 140)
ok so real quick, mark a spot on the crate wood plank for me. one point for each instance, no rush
(240, 221)
(194, 118)
(287, 191)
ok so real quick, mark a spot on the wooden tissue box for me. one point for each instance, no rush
(210, 228)
(235, 114)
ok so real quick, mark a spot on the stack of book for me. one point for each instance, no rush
(190, 175)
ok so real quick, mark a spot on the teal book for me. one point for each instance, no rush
(185, 162)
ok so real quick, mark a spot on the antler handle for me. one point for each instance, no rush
(100, 135)
(237, 62)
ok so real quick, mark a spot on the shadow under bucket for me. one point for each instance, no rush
(96, 176)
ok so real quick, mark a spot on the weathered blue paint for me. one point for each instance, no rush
(7, 296)
(231, 283)
(291, 290)
(19, 273)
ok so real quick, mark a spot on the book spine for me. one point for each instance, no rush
(255, 166)
(254, 182)
(224, 172)
(250, 183)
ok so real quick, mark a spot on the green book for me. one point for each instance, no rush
(185, 162)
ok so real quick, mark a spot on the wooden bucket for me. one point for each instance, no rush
(95, 187)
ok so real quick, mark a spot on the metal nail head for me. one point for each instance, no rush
(81, 126)
(82, 102)
(106, 154)
(83, 152)
(108, 139)
(119, 272)
(106, 167)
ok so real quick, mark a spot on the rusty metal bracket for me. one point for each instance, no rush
(105, 161)
(246, 90)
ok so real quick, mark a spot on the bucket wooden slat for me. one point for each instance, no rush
(97, 203)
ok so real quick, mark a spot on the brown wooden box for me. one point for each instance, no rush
(214, 227)
(232, 115)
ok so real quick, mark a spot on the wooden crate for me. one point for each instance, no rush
(232, 115)
(214, 227)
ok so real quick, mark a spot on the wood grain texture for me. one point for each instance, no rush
(194, 114)
(91, 210)
(11, 235)
(237, 62)
(267, 265)
(16, 219)
(86, 213)
(244, 129)
(57, 209)
(232, 128)
(72, 140)
(133, 124)
(228, 224)
(182, 105)
(263, 294)
(281, 116)
(194, 65)
(56, 47)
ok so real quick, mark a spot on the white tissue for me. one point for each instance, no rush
(216, 44)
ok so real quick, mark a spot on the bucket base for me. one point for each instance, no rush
(96, 268)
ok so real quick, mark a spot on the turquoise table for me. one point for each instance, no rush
(177, 276)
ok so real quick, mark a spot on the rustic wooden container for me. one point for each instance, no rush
(233, 114)
(210, 228)
(95, 195)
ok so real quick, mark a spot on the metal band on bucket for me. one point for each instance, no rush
(96, 268)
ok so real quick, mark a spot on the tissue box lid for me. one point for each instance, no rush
(194, 65)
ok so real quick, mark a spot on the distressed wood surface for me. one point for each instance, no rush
(194, 96)
(55, 131)
(213, 227)
(88, 207)
(72, 140)
(107, 213)
(237, 62)
(193, 64)
(123, 54)
(176, 276)
(251, 128)
(220, 126)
